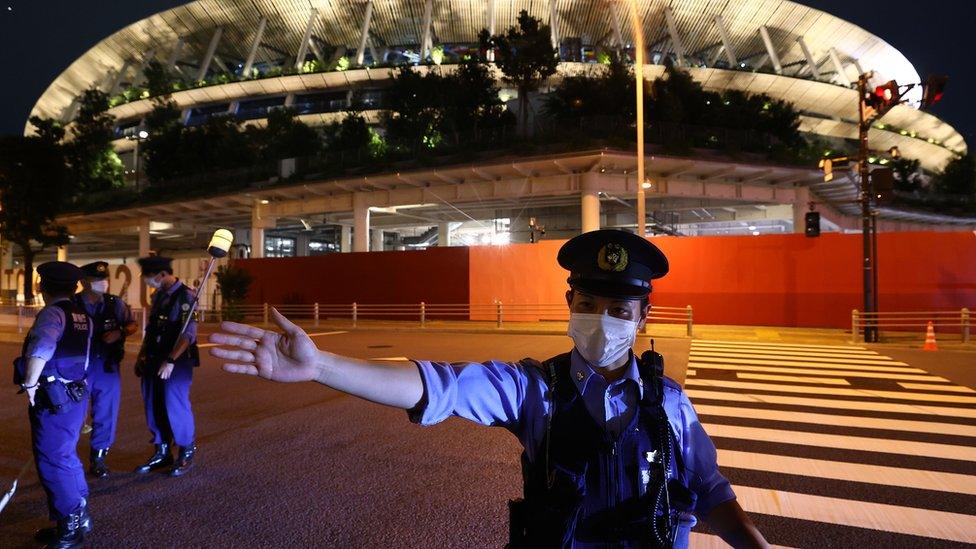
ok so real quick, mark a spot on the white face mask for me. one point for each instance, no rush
(601, 339)
(99, 286)
(152, 282)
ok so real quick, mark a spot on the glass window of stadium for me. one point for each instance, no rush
(279, 246)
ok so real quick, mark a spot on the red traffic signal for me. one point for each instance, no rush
(933, 90)
(885, 97)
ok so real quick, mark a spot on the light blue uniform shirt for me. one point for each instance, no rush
(513, 396)
(44, 335)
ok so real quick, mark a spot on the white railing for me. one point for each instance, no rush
(422, 313)
(911, 323)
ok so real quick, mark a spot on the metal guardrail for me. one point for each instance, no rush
(906, 322)
(498, 312)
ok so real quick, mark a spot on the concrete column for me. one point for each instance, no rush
(376, 240)
(257, 242)
(208, 57)
(303, 48)
(425, 41)
(253, 51)
(773, 56)
(800, 209)
(364, 34)
(260, 220)
(345, 239)
(360, 223)
(144, 238)
(443, 234)
(676, 42)
(590, 219)
(63, 253)
(811, 63)
(301, 244)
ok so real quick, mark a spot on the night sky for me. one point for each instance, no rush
(39, 39)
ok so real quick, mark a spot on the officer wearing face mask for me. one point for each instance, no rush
(613, 452)
(113, 322)
(51, 371)
(165, 364)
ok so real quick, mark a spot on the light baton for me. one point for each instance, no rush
(218, 248)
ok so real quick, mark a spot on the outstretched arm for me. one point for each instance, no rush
(291, 356)
(731, 523)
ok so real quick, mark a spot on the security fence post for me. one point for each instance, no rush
(265, 314)
(498, 314)
(854, 319)
(355, 314)
(20, 318)
(965, 325)
(316, 315)
(691, 322)
(423, 314)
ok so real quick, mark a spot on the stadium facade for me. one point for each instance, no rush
(243, 58)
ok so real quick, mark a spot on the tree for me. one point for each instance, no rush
(158, 80)
(473, 103)
(414, 109)
(234, 283)
(160, 153)
(606, 91)
(525, 56)
(34, 187)
(958, 177)
(353, 133)
(288, 137)
(907, 175)
(93, 162)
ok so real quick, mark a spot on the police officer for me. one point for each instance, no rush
(166, 363)
(113, 322)
(613, 452)
(51, 371)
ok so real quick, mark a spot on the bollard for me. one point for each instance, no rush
(20, 319)
(498, 314)
(265, 314)
(316, 315)
(854, 318)
(423, 314)
(965, 325)
(355, 314)
(691, 322)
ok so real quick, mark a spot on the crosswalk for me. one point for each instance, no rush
(838, 446)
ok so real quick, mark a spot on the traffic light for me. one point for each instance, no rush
(812, 220)
(884, 97)
(828, 165)
(883, 185)
(933, 89)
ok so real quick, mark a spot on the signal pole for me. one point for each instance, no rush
(868, 227)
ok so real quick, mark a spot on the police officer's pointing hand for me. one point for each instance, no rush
(287, 357)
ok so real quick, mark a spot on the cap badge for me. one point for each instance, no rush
(101, 268)
(612, 257)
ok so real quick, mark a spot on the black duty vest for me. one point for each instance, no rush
(162, 333)
(110, 354)
(70, 360)
(587, 486)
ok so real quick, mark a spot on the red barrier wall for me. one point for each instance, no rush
(776, 280)
(437, 275)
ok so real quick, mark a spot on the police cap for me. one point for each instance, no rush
(59, 273)
(612, 263)
(155, 264)
(97, 270)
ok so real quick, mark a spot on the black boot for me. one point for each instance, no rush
(162, 458)
(49, 536)
(184, 462)
(98, 468)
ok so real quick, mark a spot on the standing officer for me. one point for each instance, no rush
(112, 322)
(166, 364)
(51, 370)
(614, 454)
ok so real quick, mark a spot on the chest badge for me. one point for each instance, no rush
(579, 376)
(612, 258)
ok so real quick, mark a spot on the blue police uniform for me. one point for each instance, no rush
(169, 414)
(622, 464)
(61, 337)
(108, 313)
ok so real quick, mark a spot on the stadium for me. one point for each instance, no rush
(246, 58)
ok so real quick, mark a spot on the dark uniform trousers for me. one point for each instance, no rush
(169, 415)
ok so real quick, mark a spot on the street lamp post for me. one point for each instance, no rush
(638, 33)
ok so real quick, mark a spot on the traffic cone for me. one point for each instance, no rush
(930, 344)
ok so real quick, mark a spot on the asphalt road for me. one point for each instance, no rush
(282, 465)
